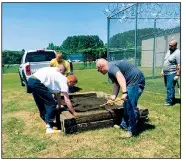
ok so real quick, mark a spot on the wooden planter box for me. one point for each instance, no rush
(94, 117)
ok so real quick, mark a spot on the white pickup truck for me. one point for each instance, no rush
(33, 60)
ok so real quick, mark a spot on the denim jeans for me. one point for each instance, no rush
(44, 100)
(131, 112)
(170, 86)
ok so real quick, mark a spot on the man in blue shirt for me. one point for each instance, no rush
(132, 82)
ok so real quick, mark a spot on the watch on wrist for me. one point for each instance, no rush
(125, 92)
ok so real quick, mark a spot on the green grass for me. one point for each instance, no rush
(23, 132)
(10, 69)
(79, 66)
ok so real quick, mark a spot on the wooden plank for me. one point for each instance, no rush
(85, 94)
(88, 126)
(115, 114)
(95, 125)
(88, 94)
(93, 119)
(67, 119)
(70, 129)
(85, 121)
(66, 115)
(90, 116)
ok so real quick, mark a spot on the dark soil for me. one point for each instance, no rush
(89, 103)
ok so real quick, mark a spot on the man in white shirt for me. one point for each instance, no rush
(45, 82)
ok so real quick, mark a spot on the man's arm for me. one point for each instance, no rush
(162, 73)
(177, 73)
(51, 63)
(178, 69)
(122, 82)
(68, 103)
(58, 95)
(116, 89)
(178, 66)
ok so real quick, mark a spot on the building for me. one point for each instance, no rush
(161, 47)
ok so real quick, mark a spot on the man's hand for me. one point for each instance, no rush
(124, 97)
(161, 74)
(113, 97)
(75, 113)
(110, 102)
(176, 78)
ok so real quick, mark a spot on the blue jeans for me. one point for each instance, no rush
(44, 100)
(170, 86)
(131, 112)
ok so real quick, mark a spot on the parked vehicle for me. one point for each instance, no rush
(33, 60)
(76, 61)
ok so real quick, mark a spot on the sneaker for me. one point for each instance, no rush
(120, 127)
(50, 130)
(127, 135)
(168, 104)
(117, 127)
(47, 126)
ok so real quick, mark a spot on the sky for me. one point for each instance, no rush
(35, 25)
(32, 26)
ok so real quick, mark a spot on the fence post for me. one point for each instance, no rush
(154, 50)
(108, 37)
(135, 58)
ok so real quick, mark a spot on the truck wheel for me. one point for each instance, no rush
(22, 84)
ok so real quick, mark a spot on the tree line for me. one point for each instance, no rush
(126, 41)
(11, 57)
(92, 47)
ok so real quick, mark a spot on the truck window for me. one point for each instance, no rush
(40, 56)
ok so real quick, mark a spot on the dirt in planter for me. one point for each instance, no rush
(90, 103)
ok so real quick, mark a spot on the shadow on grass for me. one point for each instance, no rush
(143, 125)
(177, 101)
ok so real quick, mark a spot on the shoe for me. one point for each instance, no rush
(168, 104)
(117, 127)
(50, 130)
(120, 127)
(127, 135)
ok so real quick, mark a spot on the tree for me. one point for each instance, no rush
(76, 43)
(11, 57)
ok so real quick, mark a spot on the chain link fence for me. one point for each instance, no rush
(140, 33)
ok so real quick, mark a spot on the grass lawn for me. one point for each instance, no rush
(79, 66)
(23, 132)
(10, 69)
